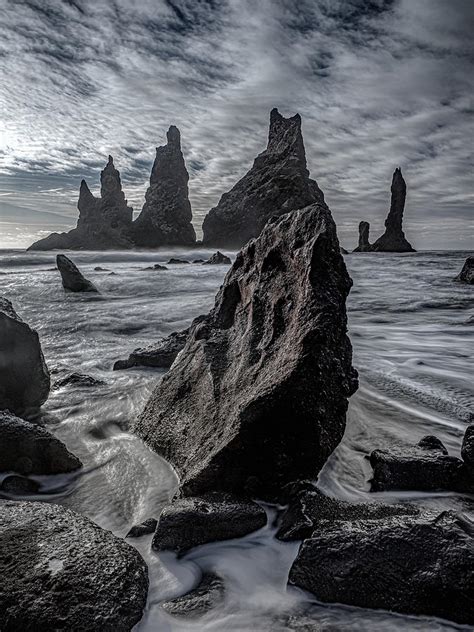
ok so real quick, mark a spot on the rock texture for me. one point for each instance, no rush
(421, 564)
(78, 379)
(258, 396)
(467, 273)
(144, 528)
(189, 522)
(27, 448)
(72, 278)
(277, 183)
(160, 355)
(60, 571)
(166, 216)
(24, 376)
(364, 244)
(393, 239)
(207, 595)
(103, 222)
(217, 259)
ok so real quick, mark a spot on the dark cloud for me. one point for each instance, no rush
(379, 83)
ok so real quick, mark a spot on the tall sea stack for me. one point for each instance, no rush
(166, 216)
(393, 239)
(277, 183)
(364, 244)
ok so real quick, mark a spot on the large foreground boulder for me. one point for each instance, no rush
(24, 376)
(393, 239)
(60, 571)
(72, 278)
(467, 273)
(277, 183)
(160, 355)
(258, 396)
(27, 448)
(421, 564)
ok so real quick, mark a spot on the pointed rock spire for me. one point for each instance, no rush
(393, 239)
(364, 245)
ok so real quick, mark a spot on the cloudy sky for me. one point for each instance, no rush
(378, 83)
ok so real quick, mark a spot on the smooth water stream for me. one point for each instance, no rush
(413, 346)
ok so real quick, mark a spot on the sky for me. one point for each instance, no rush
(378, 83)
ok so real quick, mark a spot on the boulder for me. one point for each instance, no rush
(27, 448)
(467, 449)
(144, 528)
(14, 485)
(364, 244)
(72, 277)
(207, 595)
(165, 219)
(420, 564)
(24, 376)
(393, 239)
(258, 396)
(159, 355)
(190, 522)
(156, 266)
(277, 183)
(467, 273)
(78, 379)
(60, 571)
(174, 261)
(218, 259)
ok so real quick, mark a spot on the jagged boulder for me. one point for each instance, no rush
(364, 244)
(27, 448)
(144, 528)
(60, 571)
(159, 355)
(208, 594)
(277, 183)
(72, 278)
(24, 376)
(166, 216)
(218, 259)
(258, 396)
(467, 273)
(393, 239)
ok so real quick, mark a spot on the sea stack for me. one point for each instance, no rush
(166, 216)
(467, 273)
(277, 183)
(364, 245)
(72, 278)
(275, 415)
(393, 239)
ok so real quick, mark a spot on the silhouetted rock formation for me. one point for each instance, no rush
(103, 222)
(277, 413)
(277, 183)
(78, 379)
(217, 259)
(364, 245)
(467, 273)
(166, 216)
(159, 355)
(72, 278)
(60, 571)
(393, 239)
(24, 376)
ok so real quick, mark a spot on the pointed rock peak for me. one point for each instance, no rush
(84, 186)
(110, 161)
(397, 177)
(173, 137)
(284, 133)
(84, 191)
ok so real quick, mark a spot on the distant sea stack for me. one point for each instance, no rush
(277, 183)
(364, 245)
(393, 239)
(166, 216)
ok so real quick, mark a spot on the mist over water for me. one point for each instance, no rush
(414, 349)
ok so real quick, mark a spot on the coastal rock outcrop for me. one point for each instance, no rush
(364, 244)
(217, 259)
(24, 376)
(72, 278)
(166, 216)
(277, 183)
(393, 239)
(60, 571)
(27, 448)
(467, 273)
(258, 396)
(160, 355)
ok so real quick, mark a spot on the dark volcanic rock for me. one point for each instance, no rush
(166, 216)
(344, 251)
(144, 528)
(60, 571)
(157, 266)
(217, 259)
(258, 396)
(99, 269)
(78, 379)
(277, 183)
(467, 273)
(103, 222)
(364, 244)
(71, 276)
(177, 261)
(14, 485)
(467, 449)
(160, 355)
(207, 595)
(189, 522)
(27, 448)
(421, 564)
(24, 376)
(393, 239)
(198, 261)
(310, 508)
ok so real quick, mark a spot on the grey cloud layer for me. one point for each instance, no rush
(378, 84)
